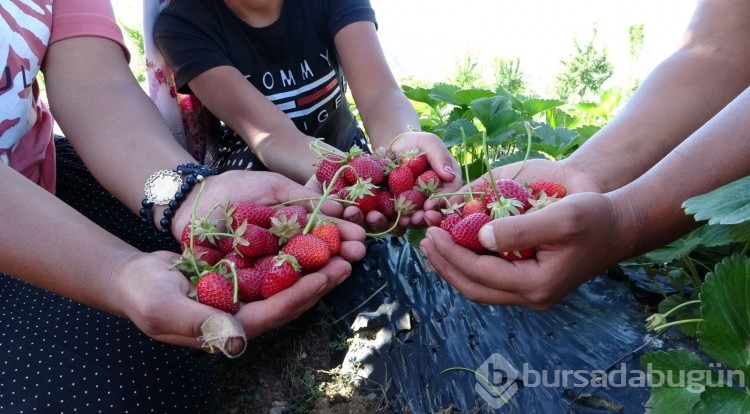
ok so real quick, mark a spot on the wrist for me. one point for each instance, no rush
(166, 190)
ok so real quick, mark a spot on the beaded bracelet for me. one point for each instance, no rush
(165, 179)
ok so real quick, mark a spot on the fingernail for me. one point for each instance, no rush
(449, 170)
(487, 238)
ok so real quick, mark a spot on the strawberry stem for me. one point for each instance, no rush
(529, 130)
(409, 129)
(383, 233)
(326, 193)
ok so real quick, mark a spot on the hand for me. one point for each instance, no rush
(576, 238)
(257, 186)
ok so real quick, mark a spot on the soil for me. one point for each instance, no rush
(294, 370)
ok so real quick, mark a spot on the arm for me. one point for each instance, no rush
(681, 94)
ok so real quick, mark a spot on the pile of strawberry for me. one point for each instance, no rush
(486, 202)
(253, 252)
(396, 185)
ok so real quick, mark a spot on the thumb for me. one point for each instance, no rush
(225, 333)
(520, 232)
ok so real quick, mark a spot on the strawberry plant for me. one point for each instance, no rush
(711, 271)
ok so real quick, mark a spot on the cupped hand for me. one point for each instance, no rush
(576, 238)
(260, 187)
(155, 298)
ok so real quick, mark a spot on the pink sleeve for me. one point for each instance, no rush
(75, 18)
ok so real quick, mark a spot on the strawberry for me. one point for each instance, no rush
(326, 169)
(473, 206)
(252, 241)
(400, 179)
(289, 211)
(449, 221)
(364, 167)
(549, 187)
(197, 229)
(247, 211)
(362, 194)
(416, 161)
(384, 203)
(428, 182)
(524, 254)
(213, 289)
(466, 232)
(410, 201)
(311, 252)
(284, 272)
(329, 233)
(511, 199)
(249, 282)
(235, 258)
(209, 256)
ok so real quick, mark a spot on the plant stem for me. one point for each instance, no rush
(528, 149)
(675, 323)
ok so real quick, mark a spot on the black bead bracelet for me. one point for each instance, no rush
(197, 174)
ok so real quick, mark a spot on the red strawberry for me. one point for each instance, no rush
(362, 194)
(473, 206)
(549, 187)
(226, 245)
(364, 167)
(239, 261)
(449, 221)
(249, 282)
(518, 255)
(210, 256)
(480, 186)
(400, 179)
(311, 252)
(410, 201)
(384, 203)
(326, 169)
(213, 289)
(254, 241)
(284, 272)
(428, 182)
(466, 232)
(253, 213)
(265, 262)
(511, 199)
(196, 229)
(416, 161)
(329, 233)
(290, 210)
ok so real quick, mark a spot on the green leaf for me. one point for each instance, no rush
(729, 204)
(445, 93)
(533, 106)
(466, 96)
(495, 114)
(666, 398)
(675, 250)
(722, 400)
(455, 132)
(725, 296)
(419, 95)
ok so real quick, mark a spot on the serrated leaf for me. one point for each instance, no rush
(419, 95)
(712, 235)
(665, 397)
(494, 113)
(455, 132)
(725, 296)
(729, 204)
(467, 96)
(445, 93)
(722, 400)
(533, 106)
(675, 250)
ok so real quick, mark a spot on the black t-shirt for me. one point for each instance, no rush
(292, 61)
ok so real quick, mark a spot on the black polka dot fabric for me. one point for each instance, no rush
(59, 356)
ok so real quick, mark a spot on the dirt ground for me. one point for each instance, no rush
(295, 373)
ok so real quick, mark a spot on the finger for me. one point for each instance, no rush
(468, 288)
(283, 307)
(487, 270)
(549, 225)
(354, 215)
(352, 250)
(377, 222)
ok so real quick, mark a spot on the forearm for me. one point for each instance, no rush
(48, 244)
(714, 155)
(113, 125)
(679, 96)
(386, 116)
